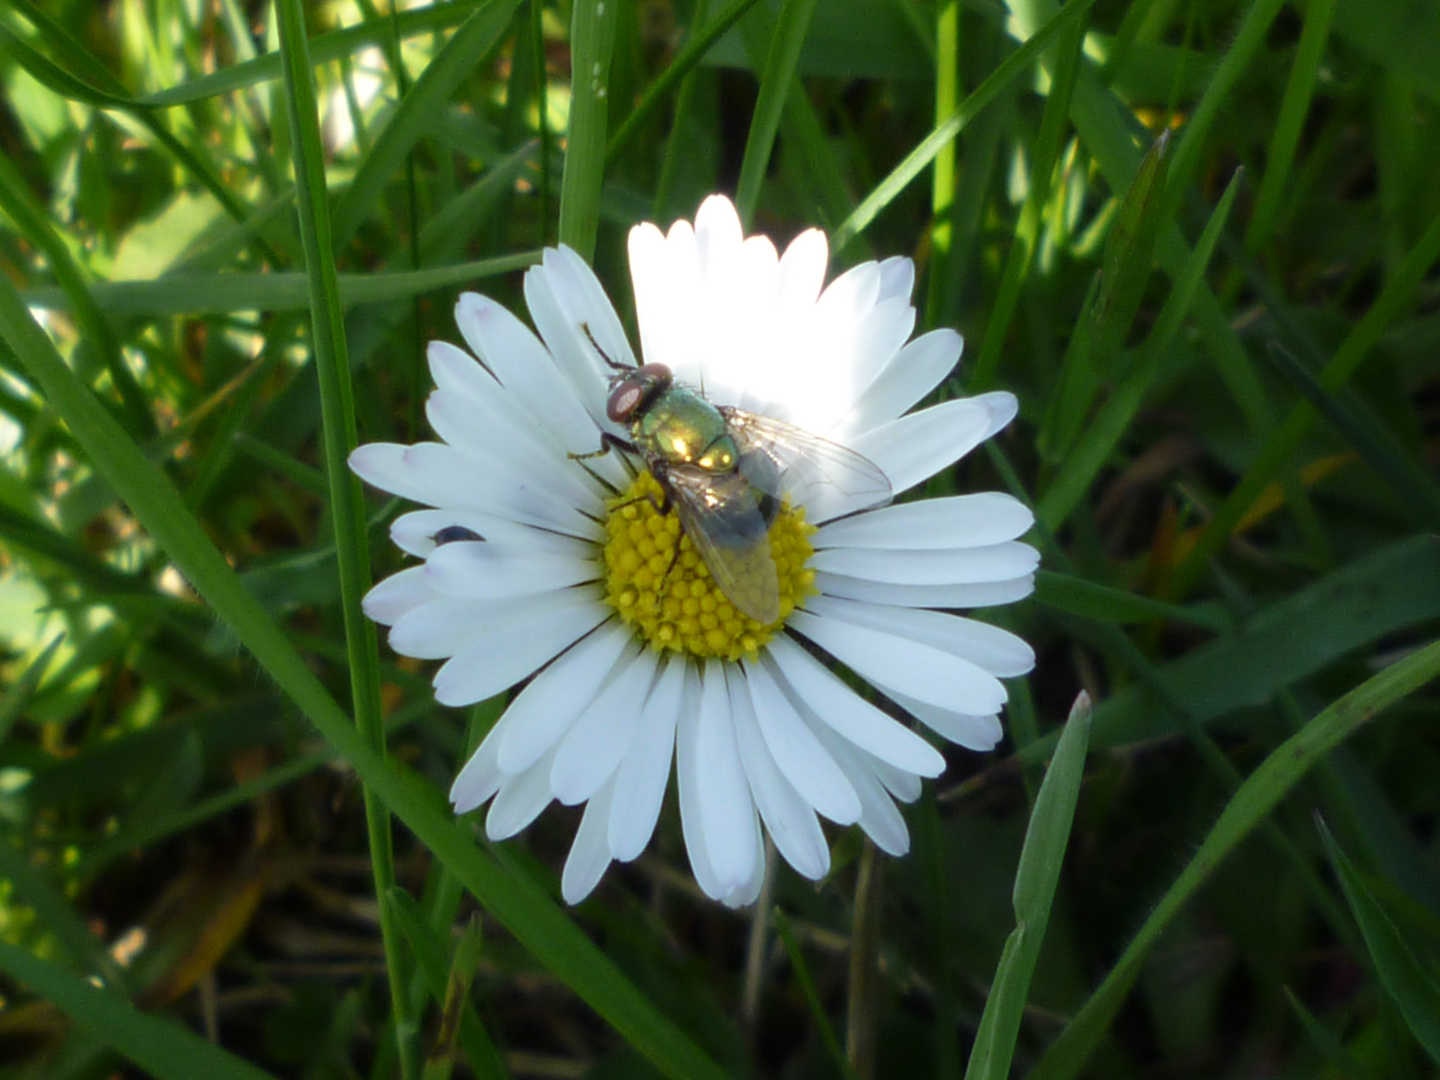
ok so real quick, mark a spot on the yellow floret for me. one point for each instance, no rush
(671, 601)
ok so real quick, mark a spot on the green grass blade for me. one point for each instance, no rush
(442, 974)
(1014, 65)
(161, 1047)
(1277, 452)
(1053, 125)
(592, 43)
(431, 19)
(1082, 462)
(31, 220)
(1041, 858)
(812, 997)
(777, 78)
(1415, 490)
(1250, 805)
(1078, 596)
(699, 43)
(471, 43)
(347, 510)
(1124, 272)
(529, 914)
(1290, 123)
(1414, 989)
(1246, 44)
(217, 294)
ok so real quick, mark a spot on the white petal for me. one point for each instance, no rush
(489, 571)
(791, 821)
(717, 228)
(848, 713)
(918, 445)
(666, 277)
(726, 808)
(520, 801)
(444, 476)
(645, 771)
(552, 701)
(496, 447)
(879, 816)
(962, 566)
(563, 296)
(384, 466)
(989, 647)
(441, 628)
(414, 532)
(905, 786)
(593, 748)
(897, 277)
(799, 755)
(745, 894)
(877, 338)
(398, 595)
(980, 733)
(528, 371)
(802, 270)
(514, 646)
(689, 767)
(916, 370)
(589, 854)
(481, 777)
(957, 521)
(894, 663)
(980, 594)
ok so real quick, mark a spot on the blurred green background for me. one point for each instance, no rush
(1226, 345)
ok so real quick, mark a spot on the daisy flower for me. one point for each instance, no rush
(545, 561)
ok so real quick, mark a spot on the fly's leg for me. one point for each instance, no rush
(608, 442)
(612, 364)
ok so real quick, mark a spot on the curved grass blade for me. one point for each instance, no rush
(1014, 65)
(218, 294)
(1251, 804)
(1041, 857)
(1414, 989)
(776, 83)
(592, 43)
(1415, 490)
(160, 1046)
(468, 46)
(685, 61)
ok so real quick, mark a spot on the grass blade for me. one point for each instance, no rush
(777, 81)
(161, 1047)
(592, 42)
(1250, 805)
(1035, 879)
(1414, 989)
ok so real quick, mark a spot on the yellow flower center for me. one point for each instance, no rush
(671, 600)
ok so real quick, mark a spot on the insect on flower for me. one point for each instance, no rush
(726, 472)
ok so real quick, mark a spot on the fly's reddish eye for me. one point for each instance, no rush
(631, 393)
(624, 400)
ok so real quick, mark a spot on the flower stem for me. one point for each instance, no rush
(861, 1010)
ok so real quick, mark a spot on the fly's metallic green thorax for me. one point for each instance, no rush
(683, 428)
(722, 469)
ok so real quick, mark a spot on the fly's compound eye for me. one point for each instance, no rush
(625, 399)
(632, 391)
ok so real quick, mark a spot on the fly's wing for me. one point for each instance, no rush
(723, 517)
(807, 461)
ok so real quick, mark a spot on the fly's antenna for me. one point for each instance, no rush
(585, 328)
